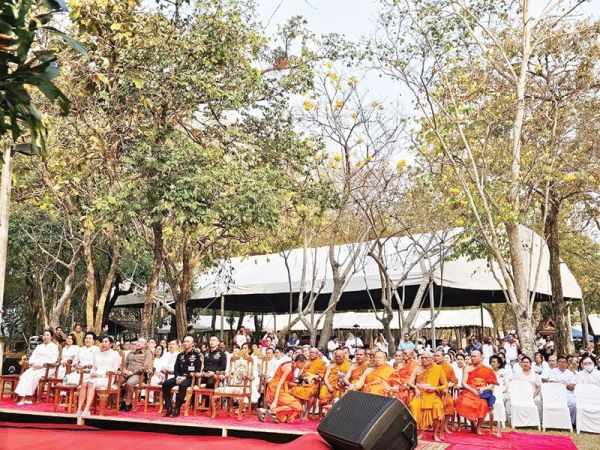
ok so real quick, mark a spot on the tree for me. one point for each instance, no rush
(468, 67)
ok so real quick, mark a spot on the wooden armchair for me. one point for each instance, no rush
(45, 390)
(103, 401)
(239, 386)
(200, 390)
(12, 380)
(157, 394)
(65, 395)
(139, 388)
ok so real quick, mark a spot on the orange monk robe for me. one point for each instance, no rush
(469, 405)
(316, 367)
(400, 379)
(326, 397)
(374, 380)
(285, 401)
(447, 398)
(430, 406)
(357, 372)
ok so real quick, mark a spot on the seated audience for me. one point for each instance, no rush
(561, 374)
(588, 373)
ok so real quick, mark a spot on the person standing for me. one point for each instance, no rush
(79, 335)
(44, 353)
(406, 343)
(188, 362)
(353, 343)
(512, 347)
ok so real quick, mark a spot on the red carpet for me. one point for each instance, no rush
(53, 439)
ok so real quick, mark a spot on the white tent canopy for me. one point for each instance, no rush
(349, 320)
(594, 321)
(268, 274)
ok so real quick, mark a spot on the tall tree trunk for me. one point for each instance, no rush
(564, 343)
(584, 321)
(108, 281)
(522, 307)
(90, 277)
(157, 261)
(67, 292)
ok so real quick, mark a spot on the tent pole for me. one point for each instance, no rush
(481, 333)
(432, 312)
(222, 315)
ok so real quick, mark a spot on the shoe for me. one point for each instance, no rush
(28, 402)
(21, 403)
(261, 415)
(175, 412)
(85, 414)
(168, 412)
(128, 408)
(272, 416)
(122, 406)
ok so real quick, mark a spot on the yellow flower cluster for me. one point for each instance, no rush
(338, 104)
(569, 177)
(308, 105)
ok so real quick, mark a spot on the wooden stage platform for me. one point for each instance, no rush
(249, 427)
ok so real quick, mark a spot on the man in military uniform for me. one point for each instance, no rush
(215, 360)
(189, 361)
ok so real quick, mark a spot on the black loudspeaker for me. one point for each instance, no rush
(360, 421)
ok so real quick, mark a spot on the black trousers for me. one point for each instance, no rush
(170, 384)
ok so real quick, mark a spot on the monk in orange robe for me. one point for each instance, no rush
(476, 379)
(283, 406)
(428, 381)
(399, 380)
(356, 370)
(332, 388)
(438, 359)
(313, 371)
(375, 379)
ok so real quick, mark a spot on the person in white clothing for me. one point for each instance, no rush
(45, 353)
(84, 360)
(333, 345)
(353, 343)
(166, 363)
(487, 350)
(564, 376)
(106, 360)
(68, 355)
(526, 373)
(241, 337)
(539, 366)
(588, 373)
(511, 346)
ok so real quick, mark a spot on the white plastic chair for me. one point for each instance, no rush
(523, 412)
(588, 408)
(555, 411)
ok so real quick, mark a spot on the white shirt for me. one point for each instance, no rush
(532, 378)
(44, 354)
(593, 377)
(540, 369)
(512, 351)
(69, 353)
(85, 357)
(241, 339)
(167, 361)
(108, 361)
(353, 343)
(565, 377)
(487, 350)
(458, 373)
(331, 346)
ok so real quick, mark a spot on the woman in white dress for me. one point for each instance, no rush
(528, 374)
(45, 353)
(106, 360)
(68, 355)
(539, 366)
(166, 363)
(85, 359)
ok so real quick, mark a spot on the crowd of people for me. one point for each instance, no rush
(291, 381)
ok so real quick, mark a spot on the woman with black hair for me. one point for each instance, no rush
(68, 355)
(44, 353)
(85, 359)
(528, 374)
(106, 360)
